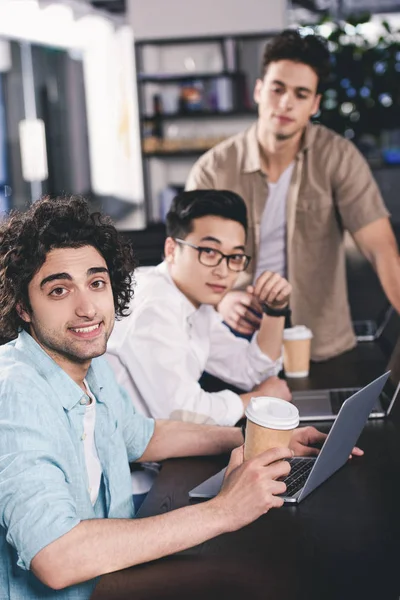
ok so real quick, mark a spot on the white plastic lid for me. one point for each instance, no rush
(299, 332)
(273, 413)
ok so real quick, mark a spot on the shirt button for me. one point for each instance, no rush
(83, 400)
(83, 437)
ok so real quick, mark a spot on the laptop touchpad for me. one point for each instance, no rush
(314, 405)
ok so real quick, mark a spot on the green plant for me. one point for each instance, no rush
(362, 98)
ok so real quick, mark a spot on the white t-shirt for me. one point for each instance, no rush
(93, 465)
(272, 251)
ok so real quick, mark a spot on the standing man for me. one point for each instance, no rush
(303, 185)
(68, 431)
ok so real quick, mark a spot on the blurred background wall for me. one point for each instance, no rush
(115, 99)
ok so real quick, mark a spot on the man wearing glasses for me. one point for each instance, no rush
(174, 333)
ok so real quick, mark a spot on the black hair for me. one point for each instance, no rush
(188, 206)
(311, 50)
(63, 222)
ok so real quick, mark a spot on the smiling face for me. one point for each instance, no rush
(199, 283)
(72, 307)
(287, 98)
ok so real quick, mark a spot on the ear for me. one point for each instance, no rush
(316, 103)
(257, 91)
(169, 250)
(23, 313)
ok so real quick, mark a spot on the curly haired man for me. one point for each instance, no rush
(68, 431)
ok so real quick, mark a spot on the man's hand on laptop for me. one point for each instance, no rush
(250, 489)
(307, 441)
(241, 311)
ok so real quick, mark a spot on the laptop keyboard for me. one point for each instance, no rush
(300, 470)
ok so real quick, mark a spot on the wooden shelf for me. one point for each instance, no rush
(185, 152)
(180, 77)
(202, 114)
(373, 163)
(227, 82)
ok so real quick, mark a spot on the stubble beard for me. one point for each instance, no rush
(281, 137)
(70, 351)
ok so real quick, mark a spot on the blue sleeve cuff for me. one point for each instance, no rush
(58, 527)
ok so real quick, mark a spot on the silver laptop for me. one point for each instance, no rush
(308, 473)
(369, 330)
(324, 405)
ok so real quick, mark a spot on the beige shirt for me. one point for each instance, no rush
(331, 190)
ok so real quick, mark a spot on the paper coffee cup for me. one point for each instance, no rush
(297, 351)
(270, 424)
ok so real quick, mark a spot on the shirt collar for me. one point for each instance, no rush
(66, 390)
(251, 156)
(308, 137)
(187, 308)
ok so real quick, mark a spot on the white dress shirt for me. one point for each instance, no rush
(161, 349)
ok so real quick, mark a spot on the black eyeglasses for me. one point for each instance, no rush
(210, 257)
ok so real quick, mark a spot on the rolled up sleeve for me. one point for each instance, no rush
(261, 363)
(356, 193)
(36, 507)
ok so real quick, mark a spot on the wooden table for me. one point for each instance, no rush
(342, 542)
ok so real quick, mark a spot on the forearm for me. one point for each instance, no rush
(378, 244)
(172, 439)
(270, 336)
(245, 398)
(96, 547)
(388, 270)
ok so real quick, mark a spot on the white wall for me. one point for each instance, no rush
(185, 18)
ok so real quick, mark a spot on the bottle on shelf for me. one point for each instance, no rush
(191, 97)
(157, 117)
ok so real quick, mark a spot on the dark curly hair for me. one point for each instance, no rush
(311, 50)
(63, 222)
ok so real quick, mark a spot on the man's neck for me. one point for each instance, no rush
(277, 154)
(182, 288)
(77, 371)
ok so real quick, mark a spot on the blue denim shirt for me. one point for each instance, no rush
(43, 478)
